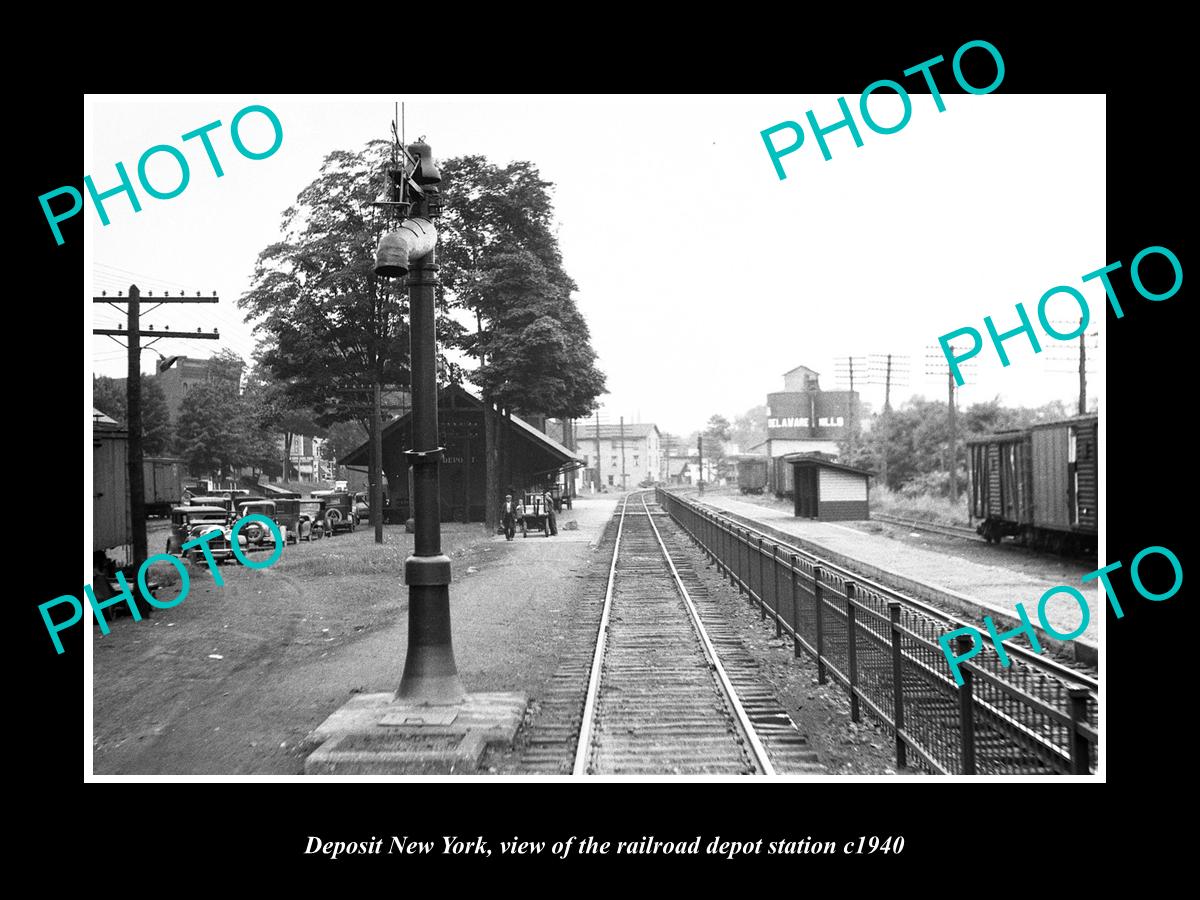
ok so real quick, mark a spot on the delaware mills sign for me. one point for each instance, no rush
(808, 414)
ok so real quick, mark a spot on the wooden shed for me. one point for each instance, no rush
(829, 491)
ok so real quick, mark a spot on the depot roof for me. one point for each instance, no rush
(360, 455)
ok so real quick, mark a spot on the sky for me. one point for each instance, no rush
(702, 276)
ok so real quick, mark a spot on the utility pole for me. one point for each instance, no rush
(430, 672)
(133, 397)
(624, 485)
(887, 386)
(700, 452)
(953, 466)
(1082, 368)
(852, 441)
(884, 420)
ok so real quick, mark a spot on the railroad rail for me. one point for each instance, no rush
(1035, 716)
(958, 531)
(660, 698)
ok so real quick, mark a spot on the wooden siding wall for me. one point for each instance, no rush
(842, 486)
(1051, 494)
(110, 491)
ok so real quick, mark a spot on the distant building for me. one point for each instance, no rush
(177, 375)
(802, 418)
(307, 457)
(619, 457)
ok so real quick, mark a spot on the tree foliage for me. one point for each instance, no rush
(500, 261)
(108, 396)
(216, 430)
(914, 440)
(750, 428)
(331, 329)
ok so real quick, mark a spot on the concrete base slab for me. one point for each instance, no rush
(375, 734)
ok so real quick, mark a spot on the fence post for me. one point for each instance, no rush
(898, 682)
(1080, 755)
(819, 602)
(728, 552)
(775, 590)
(851, 651)
(795, 606)
(762, 582)
(716, 523)
(966, 720)
(737, 556)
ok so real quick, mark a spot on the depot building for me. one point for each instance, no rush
(530, 459)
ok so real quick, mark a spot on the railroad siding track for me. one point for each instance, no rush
(659, 707)
(958, 531)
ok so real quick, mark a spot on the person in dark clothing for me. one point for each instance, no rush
(508, 516)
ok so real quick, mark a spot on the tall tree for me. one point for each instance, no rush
(333, 330)
(750, 428)
(275, 412)
(500, 261)
(215, 429)
(716, 433)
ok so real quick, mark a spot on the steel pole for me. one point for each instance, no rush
(430, 674)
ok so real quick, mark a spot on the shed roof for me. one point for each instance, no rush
(800, 459)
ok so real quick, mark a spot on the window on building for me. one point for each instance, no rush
(610, 479)
(635, 459)
(614, 460)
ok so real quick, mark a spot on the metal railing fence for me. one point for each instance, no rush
(1033, 717)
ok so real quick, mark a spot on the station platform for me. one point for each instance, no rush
(961, 586)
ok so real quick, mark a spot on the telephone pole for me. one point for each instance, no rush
(953, 442)
(1082, 369)
(133, 395)
(700, 452)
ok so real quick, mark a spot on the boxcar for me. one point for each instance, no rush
(779, 477)
(1039, 485)
(752, 475)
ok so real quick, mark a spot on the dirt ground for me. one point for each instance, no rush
(233, 679)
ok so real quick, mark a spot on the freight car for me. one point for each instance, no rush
(164, 483)
(779, 477)
(752, 474)
(1039, 484)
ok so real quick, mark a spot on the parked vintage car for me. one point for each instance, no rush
(362, 508)
(338, 509)
(297, 523)
(314, 512)
(185, 519)
(258, 535)
(191, 522)
(211, 500)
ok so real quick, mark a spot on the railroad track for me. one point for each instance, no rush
(958, 531)
(665, 685)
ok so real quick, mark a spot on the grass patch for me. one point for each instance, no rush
(925, 507)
